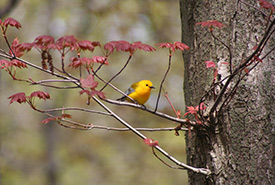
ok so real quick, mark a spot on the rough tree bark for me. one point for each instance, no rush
(240, 148)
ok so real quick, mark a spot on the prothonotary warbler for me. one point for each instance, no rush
(139, 91)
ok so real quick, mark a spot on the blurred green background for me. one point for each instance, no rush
(32, 153)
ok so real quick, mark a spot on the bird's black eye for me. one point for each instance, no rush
(147, 85)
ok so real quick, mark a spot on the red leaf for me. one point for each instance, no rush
(140, 46)
(191, 110)
(18, 63)
(88, 82)
(210, 24)
(76, 62)
(98, 93)
(44, 42)
(5, 63)
(210, 64)
(18, 97)
(96, 43)
(15, 46)
(12, 22)
(100, 59)
(26, 46)
(45, 121)
(266, 5)
(86, 45)
(194, 110)
(1, 22)
(84, 91)
(18, 48)
(151, 142)
(40, 95)
(92, 93)
(118, 45)
(180, 46)
(67, 42)
(165, 45)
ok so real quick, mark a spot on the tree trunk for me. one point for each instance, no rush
(239, 148)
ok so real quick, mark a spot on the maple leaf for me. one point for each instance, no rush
(86, 45)
(118, 45)
(151, 142)
(40, 95)
(45, 121)
(180, 46)
(44, 42)
(92, 93)
(191, 110)
(4, 63)
(18, 48)
(84, 91)
(12, 22)
(76, 62)
(86, 61)
(67, 42)
(165, 45)
(98, 93)
(194, 110)
(210, 64)
(96, 43)
(88, 82)
(266, 5)
(25, 46)
(211, 24)
(15, 47)
(139, 45)
(100, 59)
(176, 45)
(18, 63)
(18, 97)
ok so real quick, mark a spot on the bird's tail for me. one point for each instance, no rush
(123, 98)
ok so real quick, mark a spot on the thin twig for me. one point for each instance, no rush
(114, 87)
(164, 77)
(78, 109)
(122, 69)
(229, 51)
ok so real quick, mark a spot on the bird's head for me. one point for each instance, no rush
(147, 84)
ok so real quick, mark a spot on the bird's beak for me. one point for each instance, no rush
(152, 87)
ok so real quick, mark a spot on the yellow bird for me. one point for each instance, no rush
(139, 91)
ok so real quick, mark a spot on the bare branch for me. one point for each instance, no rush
(127, 62)
(164, 77)
(134, 130)
(160, 114)
(78, 109)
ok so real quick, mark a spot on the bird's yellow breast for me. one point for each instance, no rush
(142, 90)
